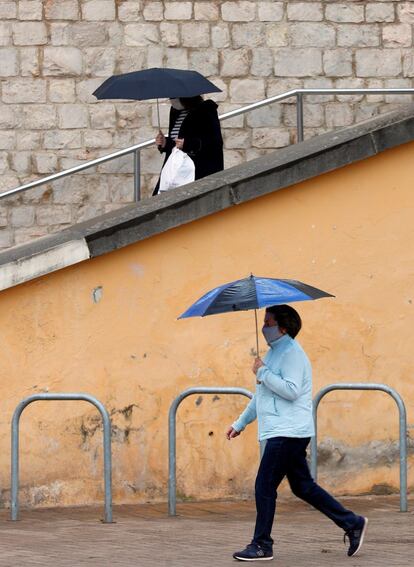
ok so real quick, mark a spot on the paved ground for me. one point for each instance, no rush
(203, 535)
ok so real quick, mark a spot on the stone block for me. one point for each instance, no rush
(346, 12)
(129, 11)
(376, 12)
(29, 33)
(266, 116)
(398, 84)
(365, 111)
(28, 140)
(21, 162)
(374, 84)
(170, 34)
(242, 11)
(72, 116)
(24, 90)
(270, 11)
(98, 10)
(85, 88)
(234, 122)
(313, 115)
(6, 238)
(178, 10)
(195, 34)
(3, 216)
(378, 62)
(405, 11)
(233, 158)
(38, 116)
(277, 35)
(362, 35)
(62, 61)
(155, 56)
(123, 164)
(338, 114)
(61, 139)
(9, 62)
(102, 116)
(176, 57)
(262, 62)
(29, 62)
(206, 11)
(23, 215)
(61, 90)
(350, 83)
(88, 34)
(153, 11)
(60, 33)
(141, 35)
(4, 166)
(311, 34)
(298, 62)
(270, 137)
(97, 139)
(337, 63)
(62, 10)
(100, 61)
(247, 90)
(131, 59)
(45, 162)
(237, 139)
(304, 11)
(8, 116)
(247, 35)
(8, 10)
(5, 33)
(205, 61)
(115, 34)
(30, 9)
(279, 86)
(28, 234)
(220, 36)
(53, 214)
(234, 62)
(121, 191)
(397, 35)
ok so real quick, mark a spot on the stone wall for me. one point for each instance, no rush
(54, 53)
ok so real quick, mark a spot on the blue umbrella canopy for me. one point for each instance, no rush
(252, 293)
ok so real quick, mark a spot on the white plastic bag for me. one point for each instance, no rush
(178, 170)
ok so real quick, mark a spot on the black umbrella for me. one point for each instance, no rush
(155, 83)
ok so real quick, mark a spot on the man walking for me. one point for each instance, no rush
(282, 405)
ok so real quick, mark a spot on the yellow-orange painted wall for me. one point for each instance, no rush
(350, 232)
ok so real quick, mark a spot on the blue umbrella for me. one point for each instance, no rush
(252, 293)
(155, 83)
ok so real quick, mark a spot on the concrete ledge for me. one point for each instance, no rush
(228, 188)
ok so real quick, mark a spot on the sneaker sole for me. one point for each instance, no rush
(255, 559)
(361, 541)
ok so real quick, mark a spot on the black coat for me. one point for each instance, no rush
(202, 139)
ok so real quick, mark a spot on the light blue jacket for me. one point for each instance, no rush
(283, 401)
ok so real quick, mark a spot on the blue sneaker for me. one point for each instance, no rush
(253, 552)
(356, 537)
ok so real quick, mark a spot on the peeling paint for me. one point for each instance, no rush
(97, 294)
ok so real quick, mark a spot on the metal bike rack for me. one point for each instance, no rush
(402, 423)
(106, 447)
(172, 444)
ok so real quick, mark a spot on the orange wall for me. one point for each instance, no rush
(349, 232)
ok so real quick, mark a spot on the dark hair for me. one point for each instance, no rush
(287, 318)
(190, 102)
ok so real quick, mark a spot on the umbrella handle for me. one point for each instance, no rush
(257, 333)
(158, 114)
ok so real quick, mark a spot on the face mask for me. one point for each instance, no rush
(271, 333)
(176, 104)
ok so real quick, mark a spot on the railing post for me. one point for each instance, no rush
(299, 116)
(137, 176)
(402, 429)
(172, 444)
(106, 448)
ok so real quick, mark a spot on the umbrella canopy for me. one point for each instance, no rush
(155, 83)
(252, 293)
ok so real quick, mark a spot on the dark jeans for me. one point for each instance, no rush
(286, 456)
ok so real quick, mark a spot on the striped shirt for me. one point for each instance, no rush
(177, 125)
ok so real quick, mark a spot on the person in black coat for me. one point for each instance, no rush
(194, 128)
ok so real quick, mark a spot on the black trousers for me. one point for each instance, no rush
(286, 456)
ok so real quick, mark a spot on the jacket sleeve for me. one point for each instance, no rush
(169, 144)
(209, 135)
(247, 416)
(286, 383)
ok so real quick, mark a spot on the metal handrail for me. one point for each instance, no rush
(106, 448)
(172, 437)
(402, 425)
(135, 149)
